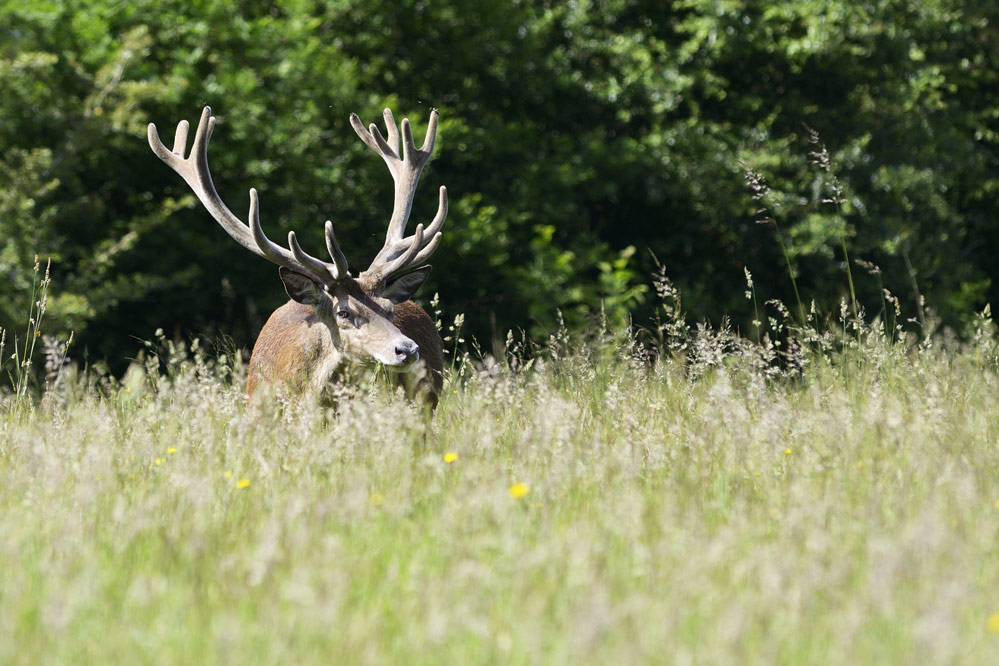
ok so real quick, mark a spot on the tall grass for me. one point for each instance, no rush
(807, 499)
(18, 366)
(825, 493)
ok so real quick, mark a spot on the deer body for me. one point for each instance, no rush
(335, 318)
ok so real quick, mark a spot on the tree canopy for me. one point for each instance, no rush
(577, 140)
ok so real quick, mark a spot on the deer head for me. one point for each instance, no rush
(357, 311)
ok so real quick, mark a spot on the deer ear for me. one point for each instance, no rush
(300, 288)
(402, 288)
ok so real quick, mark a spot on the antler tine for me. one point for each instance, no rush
(438, 221)
(392, 129)
(180, 137)
(428, 249)
(318, 267)
(405, 162)
(406, 257)
(195, 172)
(364, 133)
(384, 146)
(428, 141)
(408, 145)
(334, 249)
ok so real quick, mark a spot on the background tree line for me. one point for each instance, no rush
(575, 138)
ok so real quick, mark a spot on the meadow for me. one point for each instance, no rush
(810, 485)
(802, 498)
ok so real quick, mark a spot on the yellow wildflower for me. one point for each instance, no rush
(171, 450)
(377, 499)
(243, 483)
(519, 490)
(787, 452)
(159, 461)
(450, 457)
(993, 623)
(228, 474)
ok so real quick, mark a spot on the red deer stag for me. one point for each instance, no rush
(334, 317)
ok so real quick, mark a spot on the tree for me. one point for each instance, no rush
(574, 138)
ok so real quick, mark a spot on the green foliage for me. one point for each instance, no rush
(571, 132)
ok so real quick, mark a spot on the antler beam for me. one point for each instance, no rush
(195, 172)
(401, 252)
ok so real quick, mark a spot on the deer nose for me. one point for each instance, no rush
(407, 351)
